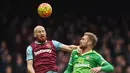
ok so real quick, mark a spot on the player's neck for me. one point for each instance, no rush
(86, 50)
(38, 42)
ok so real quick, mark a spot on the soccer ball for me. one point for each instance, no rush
(44, 10)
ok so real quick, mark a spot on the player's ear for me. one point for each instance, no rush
(45, 33)
(34, 35)
(89, 43)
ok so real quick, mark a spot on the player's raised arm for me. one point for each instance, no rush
(63, 47)
(29, 58)
(68, 48)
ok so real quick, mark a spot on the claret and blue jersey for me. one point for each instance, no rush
(56, 44)
(44, 56)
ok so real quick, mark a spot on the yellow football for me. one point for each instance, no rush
(44, 10)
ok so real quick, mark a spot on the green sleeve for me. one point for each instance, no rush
(69, 69)
(105, 66)
(70, 65)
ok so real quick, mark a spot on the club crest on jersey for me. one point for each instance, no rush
(87, 57)
(48, 45)
(80, 60)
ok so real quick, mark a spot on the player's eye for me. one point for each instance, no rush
(42, 30)
(82, 38)
(39, 31)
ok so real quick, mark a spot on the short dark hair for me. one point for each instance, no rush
(92, 37)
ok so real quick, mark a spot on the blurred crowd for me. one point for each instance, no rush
(113, 39)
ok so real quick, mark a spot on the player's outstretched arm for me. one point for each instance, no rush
(30, 68)
(68, 48)
(63, 47)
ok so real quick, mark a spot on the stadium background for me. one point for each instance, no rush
(69, 20)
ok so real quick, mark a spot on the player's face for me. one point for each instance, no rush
(84, 41)
(41, 34)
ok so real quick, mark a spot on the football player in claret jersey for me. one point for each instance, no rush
(41, 54)
(88, 60)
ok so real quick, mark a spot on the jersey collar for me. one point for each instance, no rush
(87, 52)
(40, 43)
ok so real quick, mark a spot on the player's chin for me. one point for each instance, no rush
(82, 47)
(42, 39)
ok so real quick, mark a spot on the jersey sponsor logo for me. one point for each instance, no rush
(82, 65)
(42, 51)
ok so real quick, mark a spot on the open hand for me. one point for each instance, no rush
(95, 70)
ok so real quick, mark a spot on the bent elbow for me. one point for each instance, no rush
(112, 69)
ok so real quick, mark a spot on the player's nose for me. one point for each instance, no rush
(80, 41)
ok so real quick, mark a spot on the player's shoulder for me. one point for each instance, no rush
(34, 42)
(96, 53)
(54, 41)
(49, 40)
(29, 48)
(30, 45)
(75, 51)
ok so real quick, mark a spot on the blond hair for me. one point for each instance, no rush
(92, 37)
